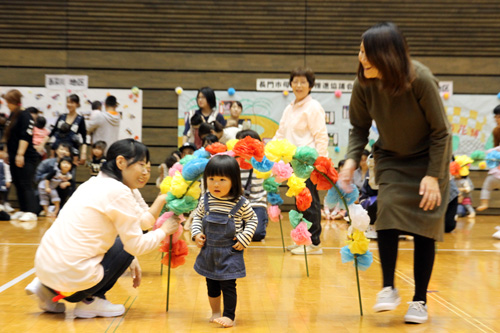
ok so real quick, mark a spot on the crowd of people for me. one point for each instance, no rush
(406, 173)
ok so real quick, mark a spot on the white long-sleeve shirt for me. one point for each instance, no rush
(303, 124)
(68, 258)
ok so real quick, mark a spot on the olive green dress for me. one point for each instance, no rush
(414, 141)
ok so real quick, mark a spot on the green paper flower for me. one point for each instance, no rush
(186, 159)
(184, 205)
(307, 155)
(270, 185)
(296, 217)
(300, 169)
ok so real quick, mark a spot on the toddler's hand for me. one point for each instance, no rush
(200, 240)
(48, 190)
(238, 246)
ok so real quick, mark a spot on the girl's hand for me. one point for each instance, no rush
(346, 175)
(136, 273)
(200, 240)
(238, 246)
(429, 189)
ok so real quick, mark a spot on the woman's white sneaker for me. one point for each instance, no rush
(417, 313)
(28, 217)
(387, 299)
(16, 215)
(44, 296)
(99, 307)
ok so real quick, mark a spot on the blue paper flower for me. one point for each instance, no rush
(201, 153)
(493, 159)
(264, 166)
(194, 168)
(364, 260)
(333, 198)
(274, 199)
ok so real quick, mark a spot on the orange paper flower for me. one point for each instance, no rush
(454, 168)
(244, 164)
(248, 148)
(325, 165)
(179, 253)
(216, 148)
(303, 200)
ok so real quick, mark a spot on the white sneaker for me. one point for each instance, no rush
(99, 307)
(417, 313)
(387, 299)
(8, 208)
(310, 249)
(292, 247)
(44, 297)
(497, 234)
(28, 217)
(371, 233)
(16, 215)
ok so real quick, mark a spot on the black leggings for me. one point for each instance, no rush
(228, 288)
(423, 260)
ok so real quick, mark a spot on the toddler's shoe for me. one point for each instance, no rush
(44, 297)
(417, 313)
(387, 299)
(99, 307)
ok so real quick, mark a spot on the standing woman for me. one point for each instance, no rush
(303, 124)
(97, 234)
(411, 155)
(23, 157)
(205, 98)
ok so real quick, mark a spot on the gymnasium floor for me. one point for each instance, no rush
(276, 295)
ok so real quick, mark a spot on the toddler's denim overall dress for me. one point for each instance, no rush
(217, 259)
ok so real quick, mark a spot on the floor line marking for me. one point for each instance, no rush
(16, 280)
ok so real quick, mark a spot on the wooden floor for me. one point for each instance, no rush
(276, 295)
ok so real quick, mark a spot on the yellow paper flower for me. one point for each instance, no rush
(280, 150)
(358, 243)
(179, 185)
(295, 185)
(194, 190)
(230, 144)
(166, 184)
(262, 175)
(464, 161)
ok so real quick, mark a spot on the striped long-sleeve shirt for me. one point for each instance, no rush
(258, 196)
(245, 219)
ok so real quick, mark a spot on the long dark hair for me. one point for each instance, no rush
(387, 50)
(225, 166)
(13, 97)
(133, 151)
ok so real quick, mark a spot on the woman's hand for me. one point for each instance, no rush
(200, 240)
(82, 160)
(346, 175)
(136, 273)
(171, 225)
(429, 189)
(238, 246)
(19, 161)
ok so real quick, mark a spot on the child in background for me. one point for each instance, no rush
(5, 183)
(98, 158)
(39, 134)
(165, 166)
(192, 134)
(253, 190)
(368, 197)
(187, 148)
(465, 187)
(47, 187)
(223, 225)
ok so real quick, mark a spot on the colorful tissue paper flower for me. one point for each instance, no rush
(228, 153)
(282, 171)
(346, 255)
(454, 168)
(478, 155)
(333, 198)
(277, 150)
(324, 165)
(493, 159)
(186, 159)
(263, 166)
(201, 153)
(274, 199)
(181, 206)
(159, 222)
(178, 255)
(464, 162)
(244, 164)
(166, 184)
(300, 169)
(359, 217)
(296, 217)
(358, 243)
(248, 148)
(176, 167)
(274, 213)
(306, 154)
(179, 185)
(262, 175)
(194, 169)
(216, 148)
(303, 200)
(300, 235)
(295, 185)
(270, 185)
(195, 190)
(364, 260)
(230, 144)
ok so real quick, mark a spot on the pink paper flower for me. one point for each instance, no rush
(176, 167)
(176, 235)
(300, 235)
(282, 171)
(274, 213)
